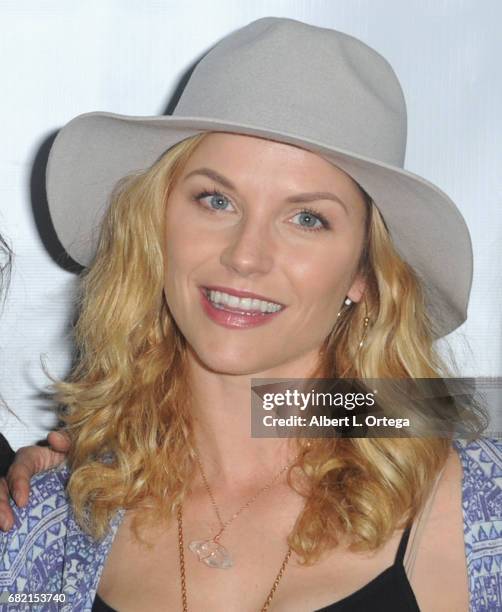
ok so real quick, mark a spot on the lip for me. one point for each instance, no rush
(243, 293)
(234, 319)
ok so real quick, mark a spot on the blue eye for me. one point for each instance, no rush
(313, 220)
(217, 201)
(311, 217)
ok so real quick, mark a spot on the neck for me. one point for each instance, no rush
(221, 415)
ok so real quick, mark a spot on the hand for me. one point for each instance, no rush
(28, 461)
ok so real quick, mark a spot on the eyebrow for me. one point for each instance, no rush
(299, 198)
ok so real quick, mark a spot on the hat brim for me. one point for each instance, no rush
(94, 150)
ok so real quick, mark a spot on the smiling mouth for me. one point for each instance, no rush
(245, 306)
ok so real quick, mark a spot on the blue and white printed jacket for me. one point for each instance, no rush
(47, 552)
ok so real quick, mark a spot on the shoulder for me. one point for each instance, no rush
(47, 497)
(482, 471)
(481, 461)
(47, 494)
(33, 548)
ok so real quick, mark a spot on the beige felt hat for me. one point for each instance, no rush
(295, 83)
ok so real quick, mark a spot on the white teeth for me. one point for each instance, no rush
(245, 304)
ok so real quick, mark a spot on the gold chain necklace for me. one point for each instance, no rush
(210, 551)
(181, 547)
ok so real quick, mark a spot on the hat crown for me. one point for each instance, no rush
(316, 83)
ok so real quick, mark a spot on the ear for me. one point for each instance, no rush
(356, 291)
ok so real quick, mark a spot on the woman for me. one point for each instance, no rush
(281, 185)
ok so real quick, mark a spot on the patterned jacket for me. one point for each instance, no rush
(47, 553)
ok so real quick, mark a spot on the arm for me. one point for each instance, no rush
(29, 461)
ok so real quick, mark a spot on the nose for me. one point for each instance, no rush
(249, 249)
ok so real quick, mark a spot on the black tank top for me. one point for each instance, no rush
(390, 591)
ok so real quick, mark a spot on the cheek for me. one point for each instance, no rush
(185, 255)
(182, 246)
(323, 277)
(177, 264)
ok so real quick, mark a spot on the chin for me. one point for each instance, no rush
(233, 362)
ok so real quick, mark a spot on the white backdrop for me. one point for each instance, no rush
(60, 58)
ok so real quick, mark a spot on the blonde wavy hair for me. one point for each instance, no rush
(127, 400)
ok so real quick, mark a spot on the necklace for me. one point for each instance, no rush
(181, 547)
(210, 551)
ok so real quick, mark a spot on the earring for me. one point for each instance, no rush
(366, 322)
(347, 302)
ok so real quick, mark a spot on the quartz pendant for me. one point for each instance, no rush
(211, 553)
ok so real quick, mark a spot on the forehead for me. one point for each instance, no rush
(253, 156)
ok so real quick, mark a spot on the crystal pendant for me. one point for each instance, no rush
(211, 553)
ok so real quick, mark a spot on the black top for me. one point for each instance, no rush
(390, 591)
(6, 455)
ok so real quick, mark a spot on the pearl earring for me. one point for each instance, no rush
(347, 302)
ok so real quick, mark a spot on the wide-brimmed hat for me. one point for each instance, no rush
(295, 83)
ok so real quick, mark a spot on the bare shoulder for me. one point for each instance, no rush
(439, 575)
(463, 533)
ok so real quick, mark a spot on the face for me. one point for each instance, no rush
(249, 215)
